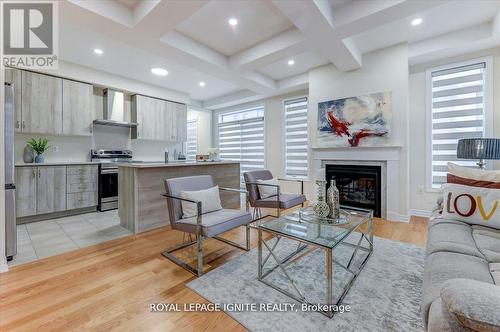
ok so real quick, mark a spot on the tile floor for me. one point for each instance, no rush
(51, 237)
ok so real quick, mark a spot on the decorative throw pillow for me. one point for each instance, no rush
(209, 198)
(268, 191)
(473, 173)
(471, 182)
(473, 205)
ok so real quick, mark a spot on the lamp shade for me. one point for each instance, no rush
(478, 148)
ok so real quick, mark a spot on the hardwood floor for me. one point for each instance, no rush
(109, 286)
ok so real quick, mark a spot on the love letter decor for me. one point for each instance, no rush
(473, 205)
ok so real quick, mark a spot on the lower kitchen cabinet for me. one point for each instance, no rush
(47, 189)
(51, 189)
(26, 191)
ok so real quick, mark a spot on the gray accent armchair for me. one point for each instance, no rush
(280, 201)
(208, 225)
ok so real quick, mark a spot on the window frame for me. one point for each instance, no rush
(488, 108)
(285, 175)
(193, 120)
(240, 108)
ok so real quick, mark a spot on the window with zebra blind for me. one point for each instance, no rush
(241, 137)
(459, 99)
(296, 161)
(192, 139)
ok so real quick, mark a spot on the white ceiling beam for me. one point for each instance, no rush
(198, 50)
(317, 27)
(239, 97)
(465, 40)
(274, 49)
(260, 79)
(296, 82)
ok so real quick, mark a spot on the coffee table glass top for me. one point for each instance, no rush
(324, 235)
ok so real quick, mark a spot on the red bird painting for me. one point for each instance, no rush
(339, 128)
(352, 120)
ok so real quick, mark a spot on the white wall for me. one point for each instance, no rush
(421, 201)
(383, 70)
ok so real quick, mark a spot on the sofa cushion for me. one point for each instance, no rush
(214, 223)
(488, 242)
(473, 205)
(473, 304)
(437, 321)
(495, 272)
(451, 236)
(442, 266)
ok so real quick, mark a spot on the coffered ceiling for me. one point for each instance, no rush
(194, 41)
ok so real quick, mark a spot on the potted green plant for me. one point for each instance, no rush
(39, 146)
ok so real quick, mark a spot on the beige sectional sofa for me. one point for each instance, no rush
(461, 288)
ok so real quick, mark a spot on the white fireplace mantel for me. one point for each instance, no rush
(387, 155)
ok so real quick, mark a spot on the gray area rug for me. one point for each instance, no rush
(385, 296)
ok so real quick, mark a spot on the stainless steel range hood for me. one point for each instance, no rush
(113, 110)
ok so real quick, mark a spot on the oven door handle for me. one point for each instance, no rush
(109, 171)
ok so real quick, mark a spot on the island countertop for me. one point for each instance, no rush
(142, 207)
(155, 164)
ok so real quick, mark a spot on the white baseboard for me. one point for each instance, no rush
(3, 265)
(391, 216)
(420, 213)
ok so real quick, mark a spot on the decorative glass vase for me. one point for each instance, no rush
(321, 208)
(333, 200)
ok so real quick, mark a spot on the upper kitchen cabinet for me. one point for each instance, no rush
(13, 76)
(158, 119)
(77, 108)
(181, 121)
(41, 104)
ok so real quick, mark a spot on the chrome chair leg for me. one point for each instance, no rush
(200, 256)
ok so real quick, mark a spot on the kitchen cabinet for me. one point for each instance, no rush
(181, 119)
(159, 119)
(13, 76)
(41, 104)
(48, 188)
(77, 108)
(51, 189)
(81, 187)
(26, 191)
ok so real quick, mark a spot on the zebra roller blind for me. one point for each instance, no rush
(241, 138)
(458, 111)
(296, 162)
(192, 139)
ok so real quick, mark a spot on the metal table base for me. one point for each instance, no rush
(366, 238)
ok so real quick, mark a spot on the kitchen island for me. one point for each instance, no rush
(142, 207)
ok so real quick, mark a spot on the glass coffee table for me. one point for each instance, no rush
(355, 235)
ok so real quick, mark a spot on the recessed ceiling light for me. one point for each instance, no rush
(291, 62)
(159, 71)
(98, 51)
(232, 21)
(416, 21)
(202, 84)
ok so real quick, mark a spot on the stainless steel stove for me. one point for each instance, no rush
(108, 175)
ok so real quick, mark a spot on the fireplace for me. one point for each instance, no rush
(359, 186)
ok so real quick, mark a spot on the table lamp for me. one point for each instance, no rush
(479, 148)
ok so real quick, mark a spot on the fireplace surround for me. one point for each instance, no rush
(359, 185)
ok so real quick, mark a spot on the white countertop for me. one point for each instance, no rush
(175, 164)
(58, 163)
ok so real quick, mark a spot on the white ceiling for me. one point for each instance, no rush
(303, 62)
(257, 21)
(446, 18)
(194, 42)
